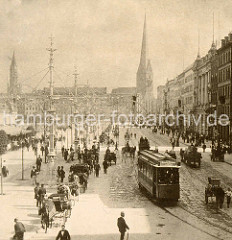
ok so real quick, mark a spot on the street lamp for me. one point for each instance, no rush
(22, 154)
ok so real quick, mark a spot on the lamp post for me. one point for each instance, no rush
(51, 111)
(22, 155)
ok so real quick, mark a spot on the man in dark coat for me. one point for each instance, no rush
(46, 151)
(41, 193)
(63, 234)
(97, 169)
(105, 166)
(38, 163)
(62, 174)
(122, 226)
(65, 154)
(36, 194)
(62, 151)
(19, 230)
(42, 149)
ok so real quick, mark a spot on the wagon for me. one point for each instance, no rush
(211, 189)
(192, 157)
(217, 155)
(58, 205)
(80, 168)
(111, 156)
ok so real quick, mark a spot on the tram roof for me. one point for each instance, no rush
(159, 159)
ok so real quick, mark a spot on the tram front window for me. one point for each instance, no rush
(168, 176)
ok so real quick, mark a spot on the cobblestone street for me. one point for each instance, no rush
(94, 216)
(193, 182)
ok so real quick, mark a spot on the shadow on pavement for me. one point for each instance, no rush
(112, 237)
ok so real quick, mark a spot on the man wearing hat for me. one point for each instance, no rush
(19, 230)
(122, 226)
(63, 234)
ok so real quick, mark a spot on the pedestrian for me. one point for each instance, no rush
(220, 197)
(182, 154)
(183, 137)
(62, 151)
(63, 234)
(36, 194)
(204, 147)
(41, 193)
(71, 148)
(122, 226)
(34, 175)
(71, 156)
(62, 174)
(71, 177)
(105, 166)
(19, 230)
(97, 169)
(38, 163)
(58, 174)
(228, 197)
(35, 149)
(42, 149)
(46, 153)
(66, 154)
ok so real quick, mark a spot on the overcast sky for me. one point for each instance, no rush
(103, 38)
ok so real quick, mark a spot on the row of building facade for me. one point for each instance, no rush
(201, 89)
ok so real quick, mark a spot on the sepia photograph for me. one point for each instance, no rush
(115, 119)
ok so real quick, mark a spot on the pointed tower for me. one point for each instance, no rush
(13, 87)
(141, 73)
(149, 77)
(144, 80)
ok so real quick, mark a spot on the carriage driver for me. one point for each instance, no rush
(107, 150)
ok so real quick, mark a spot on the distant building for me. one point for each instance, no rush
(8, 109)
(124, 90)
(160, 99)
(14, 87)
(71, 91)
(224, 85)
(122, 99)
(202, 79)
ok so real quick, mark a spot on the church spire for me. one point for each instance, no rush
(143, 58)
(13, 61)
(13, 87)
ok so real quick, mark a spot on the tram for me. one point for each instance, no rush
(158, 174)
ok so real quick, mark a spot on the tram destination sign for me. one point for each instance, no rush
(168, 163)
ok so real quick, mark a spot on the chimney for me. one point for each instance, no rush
(226, 39)
(230, 37)
(223, 42)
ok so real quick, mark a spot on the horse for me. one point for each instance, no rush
(128, 151)
(44, 218)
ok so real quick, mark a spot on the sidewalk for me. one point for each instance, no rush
(18, 199)
(228, 158)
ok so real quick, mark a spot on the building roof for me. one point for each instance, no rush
(124, 90)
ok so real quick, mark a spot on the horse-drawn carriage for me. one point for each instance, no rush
(144, 144)
(191, 157)
(212, 190)
(110, 156)
(217, 154)
(80, 168)
(82, 171)
(128, 151)
(56, 205)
